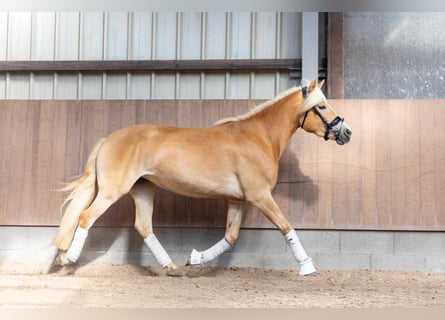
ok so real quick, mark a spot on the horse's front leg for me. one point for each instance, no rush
(235, 215)
(271, 210)
(143, 193)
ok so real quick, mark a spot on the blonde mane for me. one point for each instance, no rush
(315, 97)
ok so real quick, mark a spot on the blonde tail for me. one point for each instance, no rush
(82, 194)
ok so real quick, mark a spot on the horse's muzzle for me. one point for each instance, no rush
(344, 134)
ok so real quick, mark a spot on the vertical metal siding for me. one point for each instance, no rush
(147, 35)
(140, 36)
(3, 50)
(240, 35)
(66, 86)
(214, 86)
(164, 86)
(41, 86)
(139, 86)
(90, 86)
(189, 35)
(17, 86)
(42, 35)
(67, 35)
(3, 35)
(265, 35)
(290, 35)
(116, 36)
(91, 36)
(165, 33)
(2, 86)
(19, 36)
(215, 35)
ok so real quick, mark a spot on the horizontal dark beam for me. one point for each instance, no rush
(152, 65)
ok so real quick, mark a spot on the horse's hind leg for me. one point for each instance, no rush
(235, 215)
(143, 193)
(87, 218)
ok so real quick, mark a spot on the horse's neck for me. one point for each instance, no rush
(278, 122)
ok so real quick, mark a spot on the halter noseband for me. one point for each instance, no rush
(329, 125)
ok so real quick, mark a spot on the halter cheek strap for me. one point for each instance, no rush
(304, 92)
(329, 125)
(304, 119)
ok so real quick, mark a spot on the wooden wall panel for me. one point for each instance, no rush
(439, 164)
(390, 177)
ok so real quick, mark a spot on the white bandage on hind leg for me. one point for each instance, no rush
(211, 253)
(158, 251)
(306, 265)
(76, 247)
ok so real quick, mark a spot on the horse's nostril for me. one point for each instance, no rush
(348, 132)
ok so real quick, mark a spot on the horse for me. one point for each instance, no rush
(236, 159)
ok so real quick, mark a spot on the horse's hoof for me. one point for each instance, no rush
(174, 273)
(189, 264)
(61, 260)
(54, 268)
(195, 259)
(307, 268)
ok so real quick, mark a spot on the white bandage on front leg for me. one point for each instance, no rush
(306, 265)
(202, 257)
(158, 251)
(76, 247)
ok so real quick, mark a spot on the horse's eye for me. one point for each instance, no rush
(323, 107)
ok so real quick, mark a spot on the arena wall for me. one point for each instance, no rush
(375, 203)
(260, 248)
(389, 177)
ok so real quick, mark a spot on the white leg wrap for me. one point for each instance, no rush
(158, 251)
(306, 265)
(201, 257)
(76, 247)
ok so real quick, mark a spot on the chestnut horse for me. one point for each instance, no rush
(235, 159)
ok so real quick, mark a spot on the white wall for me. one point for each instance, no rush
(147, 36)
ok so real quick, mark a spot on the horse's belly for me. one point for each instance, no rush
(199, 186)
(191, 163)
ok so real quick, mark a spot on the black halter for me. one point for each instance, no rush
(329, 125)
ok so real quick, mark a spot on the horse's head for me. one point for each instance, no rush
(318, 117)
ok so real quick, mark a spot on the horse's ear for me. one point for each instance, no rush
(312, 85)
(321, 83)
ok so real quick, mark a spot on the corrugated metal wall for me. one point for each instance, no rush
(150, 36)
